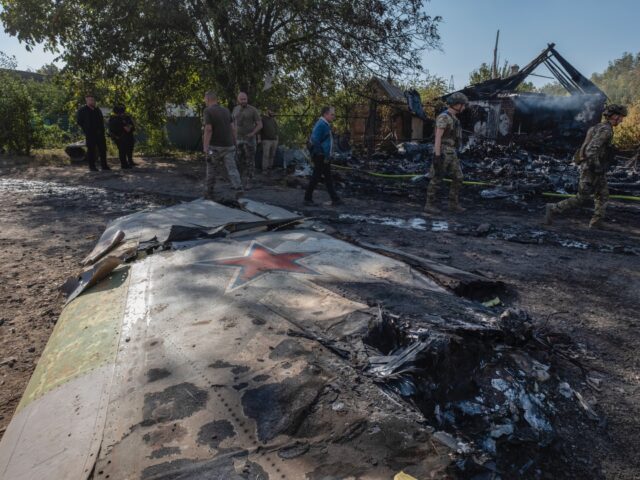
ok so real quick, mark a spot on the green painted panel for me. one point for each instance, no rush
(85, 337)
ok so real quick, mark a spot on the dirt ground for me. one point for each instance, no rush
(583, 283)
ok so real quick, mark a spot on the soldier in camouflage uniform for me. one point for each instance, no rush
(448, 139)
(593, 160)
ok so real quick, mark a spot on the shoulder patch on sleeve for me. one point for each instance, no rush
(443, 121)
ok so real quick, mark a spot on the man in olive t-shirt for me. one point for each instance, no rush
(247, 123)
(269, 140)
(218, 143)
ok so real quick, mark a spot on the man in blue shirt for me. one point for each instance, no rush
(321, 151)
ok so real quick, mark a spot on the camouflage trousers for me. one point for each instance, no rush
(448, 165)
(247, 158)
(216, 157)
(590, 184)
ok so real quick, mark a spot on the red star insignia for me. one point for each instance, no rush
(260, 260)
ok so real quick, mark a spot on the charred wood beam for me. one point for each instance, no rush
(536, 62)
(541, 76)
(584, 83)
(565, 74)
(562, 79)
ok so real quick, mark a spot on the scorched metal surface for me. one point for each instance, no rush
(203, 362)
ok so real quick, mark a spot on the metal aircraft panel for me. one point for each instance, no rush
(57, 429)
(267, 211)
(149, 224)
(218, 360)
(206, 342)
(58, 436)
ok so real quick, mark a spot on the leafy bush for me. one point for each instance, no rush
(294, 126)
(621, 80)
(153, 141)
(17, 116)
(627, 134)
(50, 136)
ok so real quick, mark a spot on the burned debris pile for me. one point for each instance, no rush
(515, 233)
(497, 171)
(514, 169)
(510, 397)
(491, 389)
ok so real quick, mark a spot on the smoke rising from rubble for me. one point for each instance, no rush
(583, 108)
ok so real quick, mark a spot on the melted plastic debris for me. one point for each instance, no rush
(440, 226)
(574, 244)
(409, 224)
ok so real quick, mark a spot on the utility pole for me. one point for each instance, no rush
(494, 67)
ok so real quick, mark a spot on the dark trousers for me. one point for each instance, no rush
(125, 152)
(96, 146)
(321, 168)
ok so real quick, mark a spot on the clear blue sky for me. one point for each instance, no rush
(589, 33)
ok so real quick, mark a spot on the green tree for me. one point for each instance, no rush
(53, 111)
(431, 88)
(483, 73)
(480, 74)
(170, 48)
(50, 70)
(621, 79)
(8, 62)
(553, 88)
(16, 115)
(50, 100)
(35, 113)
(627, 135)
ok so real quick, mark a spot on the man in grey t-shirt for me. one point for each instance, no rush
(218, 143)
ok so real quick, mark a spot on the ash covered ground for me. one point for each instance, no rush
(554, 390)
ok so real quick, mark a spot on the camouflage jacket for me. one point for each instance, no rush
(598, 150)
(452, 136)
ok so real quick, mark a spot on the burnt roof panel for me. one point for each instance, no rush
(566, 74)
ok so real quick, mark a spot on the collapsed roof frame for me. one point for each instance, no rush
(567, 75)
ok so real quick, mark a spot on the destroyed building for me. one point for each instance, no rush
(499, 112)
(387, 113)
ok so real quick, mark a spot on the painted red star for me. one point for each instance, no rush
(260, 260)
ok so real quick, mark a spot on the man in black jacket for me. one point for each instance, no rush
(90, 119)
(121, 129)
